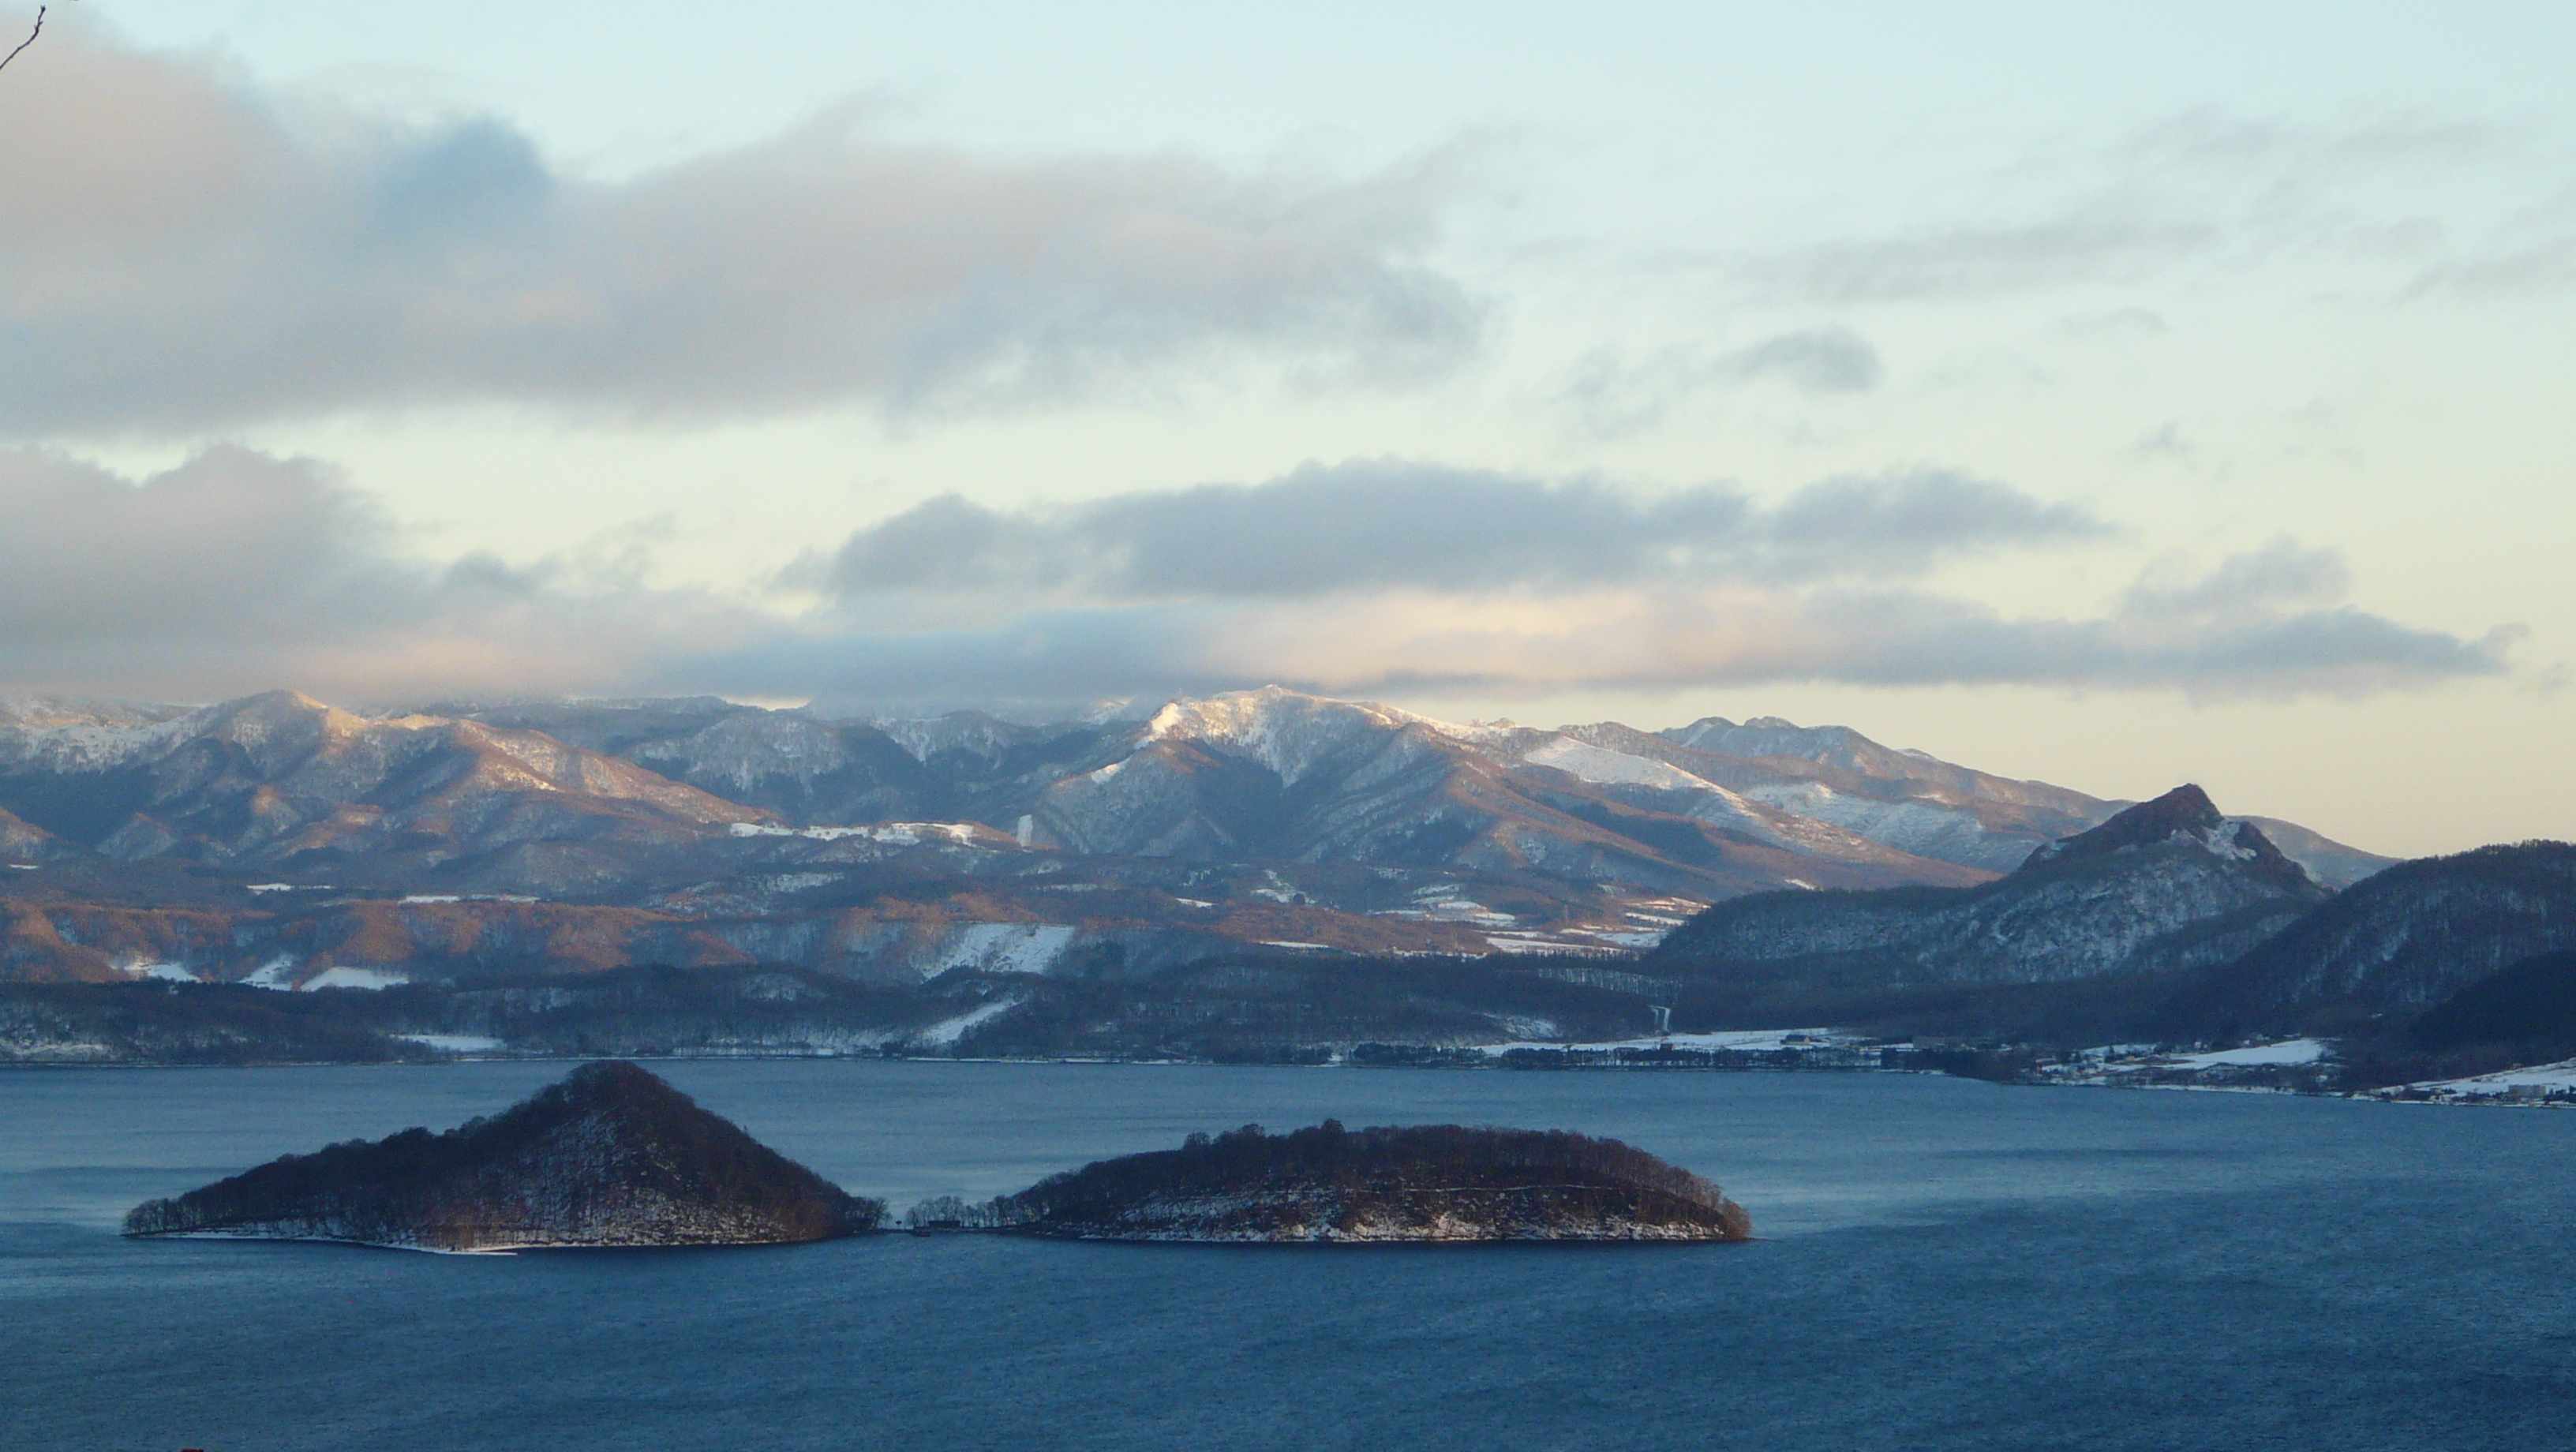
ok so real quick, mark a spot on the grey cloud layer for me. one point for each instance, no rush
(1396, 524)
(183, 253)
(238, 571)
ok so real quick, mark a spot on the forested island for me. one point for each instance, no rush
(1328, 1184)
(608, 1156)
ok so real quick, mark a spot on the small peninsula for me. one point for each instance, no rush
(608, 1156)
(1417, 1183)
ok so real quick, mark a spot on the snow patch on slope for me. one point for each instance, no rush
(165, 972)
(277, 973)
(1004, 948)
(1604, 767)
(948, 1031)
(890, 834)
(371, 979)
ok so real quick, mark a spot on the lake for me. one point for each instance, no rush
(1944, 1264)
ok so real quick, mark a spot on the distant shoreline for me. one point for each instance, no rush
(2381, 1096)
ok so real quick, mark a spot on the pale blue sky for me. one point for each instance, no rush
(604, 385)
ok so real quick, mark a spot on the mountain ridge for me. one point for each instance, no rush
(2162, 886)
(410, 843)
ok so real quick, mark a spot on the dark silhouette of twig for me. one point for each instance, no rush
(30, 40)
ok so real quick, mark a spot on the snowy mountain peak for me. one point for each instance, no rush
(257, 721)
(2184, 816)
(1286, 731)
(972, 732)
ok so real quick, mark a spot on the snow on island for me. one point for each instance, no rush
(608, 1156)
(1329, 1185)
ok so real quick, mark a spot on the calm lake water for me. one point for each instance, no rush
(1945, 1265)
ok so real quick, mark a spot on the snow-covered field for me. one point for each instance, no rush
(454, 1043)
(1750, 1040)
(2288, 1051)
(890, 834)
(166, 972)
(276, 973)
(2131, 1064)
(2558, 1078)
(1537, 943)
(367, 978)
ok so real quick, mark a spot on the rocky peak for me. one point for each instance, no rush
(2183, 817)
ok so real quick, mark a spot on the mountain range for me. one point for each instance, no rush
(1244, 874)
(281, 779)
(277, 838)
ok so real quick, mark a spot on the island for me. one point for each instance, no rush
(1330, 1185)
(608, 1156)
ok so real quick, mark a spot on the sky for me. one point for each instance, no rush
(2101, 396)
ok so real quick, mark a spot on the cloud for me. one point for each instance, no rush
(186, 252)
(1883, 639)
(2164, 444)
(238, 571)
(1392, 524)
(2205, 188)
(1672, 639)
(2272, 622)
(2114, 325)
(1818, 360)
(1614, 394)
(1985, 261)
(2546, 266)
(2281, 573)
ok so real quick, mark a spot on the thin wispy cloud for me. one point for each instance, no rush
(2206, 189)
(1613, 393)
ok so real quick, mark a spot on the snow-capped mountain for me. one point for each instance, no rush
(282, 778)
(1714, 808)
(699, 831)
(1278, 774)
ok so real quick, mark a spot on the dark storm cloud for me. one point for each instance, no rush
(1396, 524)
(184, 252)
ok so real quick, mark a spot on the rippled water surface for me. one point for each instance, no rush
(1944, 1265)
